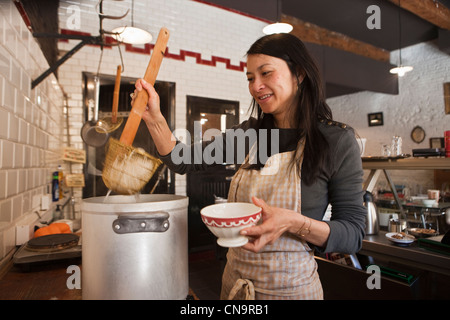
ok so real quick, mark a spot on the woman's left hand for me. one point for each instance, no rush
(276, 221)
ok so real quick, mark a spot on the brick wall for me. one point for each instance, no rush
(420, 102)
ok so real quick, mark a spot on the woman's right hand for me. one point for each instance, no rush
(153, 111)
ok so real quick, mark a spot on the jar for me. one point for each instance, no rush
(396, 146)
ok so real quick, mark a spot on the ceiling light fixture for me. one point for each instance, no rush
(400, 70)
(278, 27)
(131, 35)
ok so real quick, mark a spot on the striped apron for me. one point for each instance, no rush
(285, 269)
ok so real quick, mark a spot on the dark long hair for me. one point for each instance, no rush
(311, 104)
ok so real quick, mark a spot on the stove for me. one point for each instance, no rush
(48, 248)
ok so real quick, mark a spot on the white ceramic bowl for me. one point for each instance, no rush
(429, 202)
(226, 220)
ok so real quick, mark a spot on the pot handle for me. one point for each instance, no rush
(140, 222)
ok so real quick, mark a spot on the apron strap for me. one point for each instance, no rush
(247, 286)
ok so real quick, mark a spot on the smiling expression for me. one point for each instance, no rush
(273, 86)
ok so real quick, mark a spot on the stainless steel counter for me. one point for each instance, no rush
(379, 247)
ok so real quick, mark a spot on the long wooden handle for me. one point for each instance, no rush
(140, 102)
(115, 105)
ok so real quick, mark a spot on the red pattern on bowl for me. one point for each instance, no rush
(231, 222)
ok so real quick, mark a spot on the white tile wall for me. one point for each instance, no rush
(31, 124)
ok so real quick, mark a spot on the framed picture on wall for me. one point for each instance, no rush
(375, 119)
(437, 143)
(447, 97)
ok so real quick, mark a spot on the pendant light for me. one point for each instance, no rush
(132, 35)
(277, 27)
(400, 70)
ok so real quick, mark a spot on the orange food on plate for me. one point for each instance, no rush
(53, 228)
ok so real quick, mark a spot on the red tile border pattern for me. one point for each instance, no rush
(181, 56)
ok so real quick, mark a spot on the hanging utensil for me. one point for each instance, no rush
(127, 170)
(109, 124)
(91, 133)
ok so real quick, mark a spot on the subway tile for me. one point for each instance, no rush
(10, 39)
(22, 180)
(4, 123)
(37, 178)
(17, 207)
(12, 183)
(36, 115)
(26, 84)
(9, 95)
(15, 74)
(34, 158)
(18, 155)
(13, 128)
(2, 184)
(44, 103)
(30, 179)
(27, 156)
(23, 131)
(7, 154)
(16, 20)
(20, 106)
(22, 57)
(31, 135)
(44, 122)
(28, 110)
(5, 65)
(26, 207)
(5, 213)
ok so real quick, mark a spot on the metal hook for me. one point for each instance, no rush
(121, 59)
(104, 16)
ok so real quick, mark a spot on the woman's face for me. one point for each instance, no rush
(273, 86)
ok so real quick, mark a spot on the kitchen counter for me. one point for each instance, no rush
(430, 270)
(407, 273)
(42, 282)
(378, 246)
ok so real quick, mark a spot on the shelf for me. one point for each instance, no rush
(380, 165)
(408, 164)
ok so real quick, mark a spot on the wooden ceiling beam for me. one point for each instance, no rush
(312, 33)
(430, 10)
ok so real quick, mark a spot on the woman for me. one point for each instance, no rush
(318, 162)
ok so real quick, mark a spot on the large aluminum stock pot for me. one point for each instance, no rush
(135, 247)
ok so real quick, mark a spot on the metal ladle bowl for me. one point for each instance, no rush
(93, 134)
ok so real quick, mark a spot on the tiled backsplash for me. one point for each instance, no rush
(31, 125)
